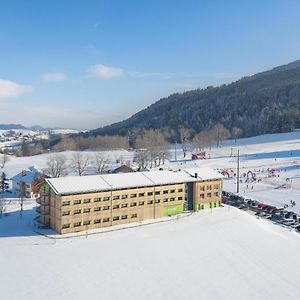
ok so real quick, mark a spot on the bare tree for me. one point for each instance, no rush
(158, 148)
(221, 133)
(56, 165)
(236, 133)
(101, 163)
(142, 158)
(184, 135)
(22, 195)
(4, 158)
(79, 163)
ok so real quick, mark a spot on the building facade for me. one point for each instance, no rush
(72, 204)
(24, 183)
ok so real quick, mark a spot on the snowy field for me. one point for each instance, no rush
(280, 152)
(220, 254)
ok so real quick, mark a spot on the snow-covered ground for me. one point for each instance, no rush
(257, 154)
(222, 253)
(17, 164)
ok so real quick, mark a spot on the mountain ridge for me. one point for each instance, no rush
(265, 102)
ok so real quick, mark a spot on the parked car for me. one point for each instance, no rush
(270, 209)
(268, 216)
(261, 205)
(288, 222)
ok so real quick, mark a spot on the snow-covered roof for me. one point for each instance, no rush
(27, 176)
(78, 184)
(97, 183)
(204, 173)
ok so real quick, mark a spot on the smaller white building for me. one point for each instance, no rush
(23, 183)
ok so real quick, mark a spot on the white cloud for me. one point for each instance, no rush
(105, 72)
(12, 89)
(54, 77)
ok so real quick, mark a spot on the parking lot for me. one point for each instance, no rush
(278, 215)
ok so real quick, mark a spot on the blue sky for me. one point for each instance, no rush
(83, 64)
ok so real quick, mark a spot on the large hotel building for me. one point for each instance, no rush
(76, 203)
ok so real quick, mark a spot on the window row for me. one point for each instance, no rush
(209, 187)
(98, 221)
(209, 195)
(117, 197)
(66, 203)
(117, 206)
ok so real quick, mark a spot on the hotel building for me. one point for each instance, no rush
(77, 203)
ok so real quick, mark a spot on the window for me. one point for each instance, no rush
(66, 213)
(179, 198)
(172, 191)
(86, 210)
(141, 202)
(202, 196)
(116, 218)
(124, 196)
(165, 192)
(172, 199)
(180, 190)
(97, 221)
(216, 186)
(116, 206)
(216, 194)
(77, 224)
(105, 220)
(150, 193)
(215, 204)
(86, 222)
(77, 202)
(124, 205)
(106, 198)
(132, 204)
(157, 201)
(202, 188)
(77, 211)
(209, 187)
(157, 193)
(133, 195)
(208, 195)
(65, 226)
(141, 194)
(106, 207)
(150, 202)
(116, 197)
(97, 208)
(165, 200)
(65, 203)
(124, 217)
(133, 216)
(86, 200)
(97, 199)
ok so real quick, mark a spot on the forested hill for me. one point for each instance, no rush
(267, 102)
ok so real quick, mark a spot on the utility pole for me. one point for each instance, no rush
(238, 173)
(176, 150)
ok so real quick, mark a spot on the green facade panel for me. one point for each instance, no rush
(172, 210)
(208, 205)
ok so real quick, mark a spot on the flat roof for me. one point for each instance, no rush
(106, 182)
